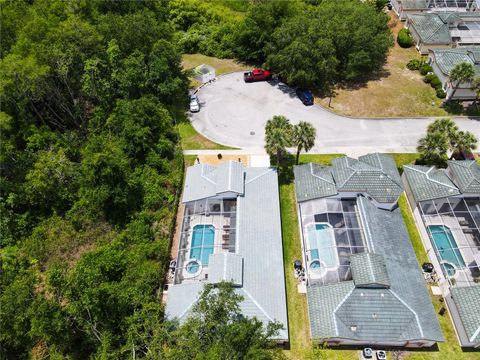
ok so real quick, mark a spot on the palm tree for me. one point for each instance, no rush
(461, 73)
(303, 137)
(278, 121)
(276, 142)
(447, 127)
(476, 89)
(433, 148)
(465, 142)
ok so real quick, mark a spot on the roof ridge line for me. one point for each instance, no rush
(338, 307)
(438, 182)
(409, 308)
(206, 178)
(317, 176)
(258, 176)
(257, 304)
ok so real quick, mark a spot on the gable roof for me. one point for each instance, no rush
(400, 313)
(428, 183)
(467, 300)
(203, 181)
(465, 174)
(313, 181)
(374, 174)
(256, 267)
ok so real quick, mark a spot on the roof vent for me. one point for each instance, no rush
(374, 315)
(382, 295)
(353, 328)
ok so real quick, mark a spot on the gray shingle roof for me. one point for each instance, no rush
(447, 59)
(203, 181)
(432, 28)
(225, 267)
(381, 180)
(229, 177)
(403, 313)
(467, 300)
(258, 242)
(313, 181)
(369, 270)
(428, 183)
(466, 175)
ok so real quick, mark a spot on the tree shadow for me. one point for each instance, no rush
(362, 82)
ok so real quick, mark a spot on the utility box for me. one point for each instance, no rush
(204, 73)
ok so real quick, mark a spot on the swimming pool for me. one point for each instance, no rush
(446, 247)
(321, 245)
(203, 238)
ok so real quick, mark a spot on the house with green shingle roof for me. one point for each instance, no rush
(444, 60)
(466, 175)
(467, 301)
(374, 175)
(446, 207)
(364, 286)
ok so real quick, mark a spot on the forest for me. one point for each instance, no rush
(91, 164)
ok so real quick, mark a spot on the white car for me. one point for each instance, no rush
(194, 104)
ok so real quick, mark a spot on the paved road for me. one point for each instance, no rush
(234, 113)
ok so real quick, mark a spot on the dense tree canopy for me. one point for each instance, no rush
(334, 41)
(90, 172)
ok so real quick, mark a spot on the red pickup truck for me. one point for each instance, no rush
(257, 75)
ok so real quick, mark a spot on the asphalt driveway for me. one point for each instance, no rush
(234, 113)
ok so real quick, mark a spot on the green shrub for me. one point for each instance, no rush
(428, 78)
(404, 38)
(441, 94)
(425, 69)
(414, 64)
(436, 83)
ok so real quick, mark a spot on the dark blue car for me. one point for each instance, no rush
(305, 96)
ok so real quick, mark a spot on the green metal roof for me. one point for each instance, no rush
(313, 181)
(466, 175)
(414, 4)
(369, 270)
(432, 28)
(467, 300)
(428, 183)
(447, 59)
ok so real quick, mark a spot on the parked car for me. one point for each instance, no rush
(305, 96)
(257, 75)
(194, 104)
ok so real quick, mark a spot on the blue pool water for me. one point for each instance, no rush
(321, 244)
(203, 238)
(446, 245)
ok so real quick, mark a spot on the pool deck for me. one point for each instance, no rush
(464, 244)
(219, 222)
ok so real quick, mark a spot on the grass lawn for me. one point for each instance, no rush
(192, 140)
(394, 91)
(222, 66)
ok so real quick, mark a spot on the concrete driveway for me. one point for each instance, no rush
(234, 113)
